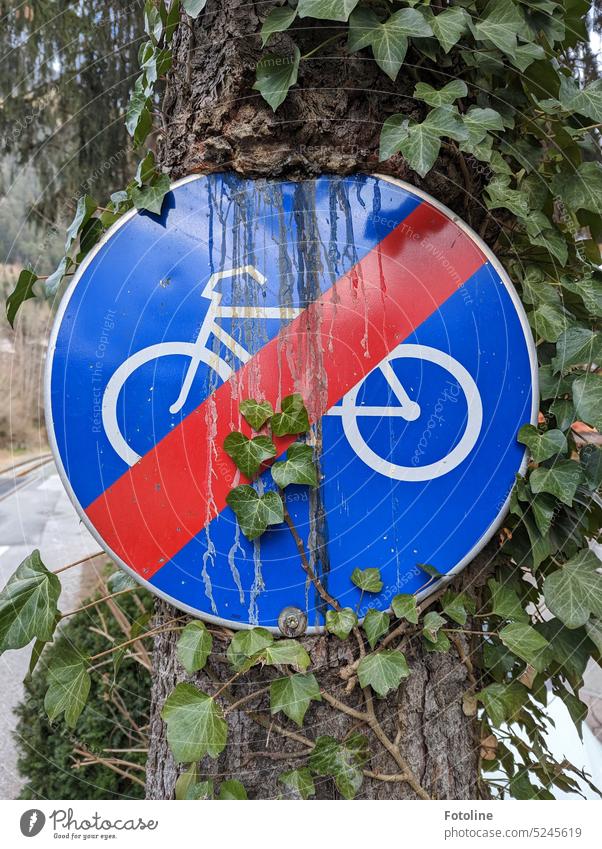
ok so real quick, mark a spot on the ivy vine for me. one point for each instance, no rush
(496, 88)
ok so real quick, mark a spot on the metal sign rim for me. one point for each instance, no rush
(229, 623)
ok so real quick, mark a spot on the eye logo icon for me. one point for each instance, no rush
(32, 822)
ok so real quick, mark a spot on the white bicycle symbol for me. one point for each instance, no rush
(199, 352)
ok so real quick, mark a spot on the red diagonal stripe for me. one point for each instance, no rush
(154, 509)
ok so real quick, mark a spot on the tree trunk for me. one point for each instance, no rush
(330, 122)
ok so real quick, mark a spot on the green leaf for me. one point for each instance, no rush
(293, 419)
(292, 695)
(586, 101)
(500, 25)
(297, 468)
(68, 685)
(22, 292)
(441, 97)
(194, 646)
(279, 20)
(151, 197)
(457, 606)
(28, 604)
(580, 188)
(503, 702)
(195, 724)
(393, 133)
(255, 512)
(341, 622)
(138, 119)
(86, 206)
(388, 39)
(506, 603)
(342, 761)
(448, 26)
(479, 121)
(587, 398)
(299, 781)
(256, 412)
(276, 75)
(245, 644)
(591, 463)
(593, 629)
(561, 480)
(431, 571)
(187, 780)
(193, 7)
(542, 446)
(404, 607)
(525, 642)
(422, 142)
(121, 580)
(249, 454)
(432, 622)
(569, 648)
(375, 624)
(575, 591)
(577, 346)
(368, 580)
(232, 789)
(286, 653)
(499, 195)
(440, 644)
(326, 10)
(550, 321)
(383, 671)
(201, 790)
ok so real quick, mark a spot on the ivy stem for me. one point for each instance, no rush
(77, 563)
(98, 601)
(152, 633)
(322, 591)
(320, 46)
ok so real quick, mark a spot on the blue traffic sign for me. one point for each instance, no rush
(387, 313)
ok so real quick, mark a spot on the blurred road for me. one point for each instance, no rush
(35, 512)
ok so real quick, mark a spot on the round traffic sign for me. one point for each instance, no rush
(381, 308)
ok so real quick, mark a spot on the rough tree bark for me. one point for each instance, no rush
(330, 122)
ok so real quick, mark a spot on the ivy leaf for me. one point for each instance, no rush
(232, 790)
(575, 591)
(276, 75)
(561, 480)
(121, 580)
(440, 644)
(431, 571)
(299, 781)
(503, 702)
(550, 321)
(506, 603)
(195, 724)
(368, 580)
(68, 685)
(500, 25)
(245, 644)
(249, 454)
(86, 206)
(587, 398)
(28, 604)
(297, 468)
(479, 121)
(457, 606)
(151, 197)
(525, 642)
(593, 629)
(279, 20)
(286, 653)
(542, 446)
(22, 292)
(577, 346)
(568, 648)
(383, 671)
(138, 119)
(293, 419)
(586, 101)
(423, 141)
(256, 412)
(186, 781)
(375, 624)
(341, 622)
(326, 10)
(292, 695)
(404, 607)
(448, 26)
(443, 96)
(255, 512)
(432, 622)
(393, 133)
(193, 8)
(388, 39)
(194, 646)
(499, 195)
(580, 188)
(201, 790)
(342, 761)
